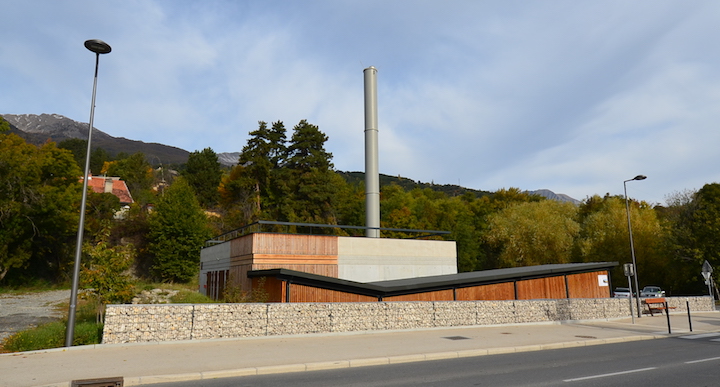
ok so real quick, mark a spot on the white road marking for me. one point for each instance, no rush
(702, 360)
(700, 336)
(611, 374)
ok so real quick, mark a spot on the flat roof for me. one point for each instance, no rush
(432, 283)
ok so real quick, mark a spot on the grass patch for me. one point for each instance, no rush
(52, 335)
(191, 297)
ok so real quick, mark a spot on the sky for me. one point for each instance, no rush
(571, 96)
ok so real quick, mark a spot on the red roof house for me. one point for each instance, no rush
(113, 185)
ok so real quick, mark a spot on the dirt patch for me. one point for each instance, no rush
(19, 312)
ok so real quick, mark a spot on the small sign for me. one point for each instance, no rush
(628, 269)
(707, 268)
(603, 280)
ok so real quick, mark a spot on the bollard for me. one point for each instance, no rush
(687, 304)
(667, 313)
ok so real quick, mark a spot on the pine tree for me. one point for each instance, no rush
(203, 173)
(311, 182)
(264, 154)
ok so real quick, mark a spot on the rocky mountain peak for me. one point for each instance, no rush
(55, 126)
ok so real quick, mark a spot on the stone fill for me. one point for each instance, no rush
(157, 323)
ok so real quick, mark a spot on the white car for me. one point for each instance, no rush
(621, 292)
(652, 291)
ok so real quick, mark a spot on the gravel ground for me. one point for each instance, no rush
(22, 311)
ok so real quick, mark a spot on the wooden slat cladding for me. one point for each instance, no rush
(326, 270)
(259, 259)
(241, 246)
(238, 276)
(314, 254)
(578, 285)
(290, 244)
(586, 285)
(274, 288)
(502, 291)
(442, 295)
(238, 272)
(550, 287)
(301, 293)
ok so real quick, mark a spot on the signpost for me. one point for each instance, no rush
(629, 271)
(707, 274)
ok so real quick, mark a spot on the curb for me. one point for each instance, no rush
(330, 365)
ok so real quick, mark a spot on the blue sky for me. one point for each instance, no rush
(572, 96)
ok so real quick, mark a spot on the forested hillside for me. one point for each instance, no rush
(290, 177)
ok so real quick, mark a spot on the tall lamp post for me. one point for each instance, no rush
(98, 47)
(632, 246)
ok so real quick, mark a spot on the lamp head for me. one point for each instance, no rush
(97, 46)
(640, 177)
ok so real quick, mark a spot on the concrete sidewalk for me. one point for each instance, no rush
(141, 364)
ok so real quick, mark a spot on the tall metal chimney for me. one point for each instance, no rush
(372, 175)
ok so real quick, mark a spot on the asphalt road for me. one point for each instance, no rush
(692, 360)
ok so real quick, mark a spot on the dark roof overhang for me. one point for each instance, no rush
(400, 287)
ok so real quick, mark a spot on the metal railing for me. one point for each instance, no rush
(261, 226)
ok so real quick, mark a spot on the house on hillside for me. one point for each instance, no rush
(115, 186)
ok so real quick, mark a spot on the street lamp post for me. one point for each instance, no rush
(98, 47)
(632, 246)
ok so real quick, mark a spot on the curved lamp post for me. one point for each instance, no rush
(98, 47)
(632, 246)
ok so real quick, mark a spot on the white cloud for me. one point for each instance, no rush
(570, 96)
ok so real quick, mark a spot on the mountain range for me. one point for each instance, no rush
(38, 129)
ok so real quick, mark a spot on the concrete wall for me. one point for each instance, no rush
(154, 323)
(380, 259)
(214, 258)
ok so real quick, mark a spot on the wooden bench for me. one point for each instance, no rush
(656, 304)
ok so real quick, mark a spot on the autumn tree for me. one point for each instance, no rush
(694, 228)
(533, 233)
(39, 197)
(350, 203)
(705, 224)
(4, 125)
(104, 269)
(604, 237)
(237, 198)
(685, 258)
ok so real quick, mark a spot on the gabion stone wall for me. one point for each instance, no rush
(169, 322)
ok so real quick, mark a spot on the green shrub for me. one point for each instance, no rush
(234, 294)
